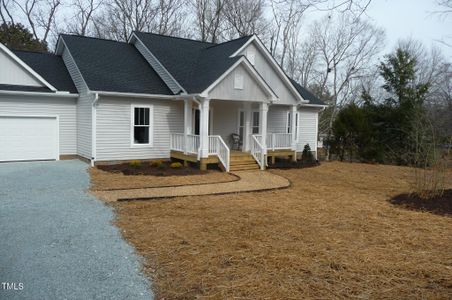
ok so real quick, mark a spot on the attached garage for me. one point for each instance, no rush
(29, 138)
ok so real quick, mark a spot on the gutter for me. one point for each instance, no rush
(136, 95)
(93, 128)
(39, 94)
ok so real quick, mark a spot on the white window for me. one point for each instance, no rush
(251, 56)
(238, 81)
(142, 117)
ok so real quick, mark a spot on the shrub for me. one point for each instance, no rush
(176, 165)
(156, 163)
(135, 164)
(306, 156)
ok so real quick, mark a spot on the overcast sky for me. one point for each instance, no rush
(412, 18)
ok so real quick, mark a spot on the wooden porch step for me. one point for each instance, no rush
(244, 168)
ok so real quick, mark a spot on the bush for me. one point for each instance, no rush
(306, 156)
(135, 164)
(156, 163)
(176, 165)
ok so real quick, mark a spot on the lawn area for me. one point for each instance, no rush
(333, 234)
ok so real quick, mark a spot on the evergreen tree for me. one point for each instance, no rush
(16, 36)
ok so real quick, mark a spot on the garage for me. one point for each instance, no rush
(28, 138)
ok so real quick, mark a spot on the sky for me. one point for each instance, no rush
(412, 18)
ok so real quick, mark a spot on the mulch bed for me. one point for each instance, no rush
(289, 164)
(149, 169)
(440, 205)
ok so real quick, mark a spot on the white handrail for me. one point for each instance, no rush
(218, 147)
(258, 151)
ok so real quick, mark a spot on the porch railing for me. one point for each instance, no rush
(279, 141)
(191, 145)
(257, 150)
(178, 143)
(218, 147)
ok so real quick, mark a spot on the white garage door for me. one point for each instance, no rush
(28, 138)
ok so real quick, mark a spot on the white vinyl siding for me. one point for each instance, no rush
(307, 128)
(251, 90)
(84, 106)
(13, 73)
(225, 118)
(64, 108)
(277, 118)
(270, 75)
(113, 128)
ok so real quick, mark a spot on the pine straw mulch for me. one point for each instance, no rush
(441, 205)
(107, 181)
(332, 235)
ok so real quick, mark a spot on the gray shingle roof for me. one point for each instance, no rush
(306, 94)
(194, 64)
(113, 66)
(51, 67)
(25, 88)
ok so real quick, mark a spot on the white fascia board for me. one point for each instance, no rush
(133, 38)
(253, 73)
(38, 94)
(136, 95)
(26, 67)
(272, 60)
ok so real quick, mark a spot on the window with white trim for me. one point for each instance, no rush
(238, 81)
(142, 120)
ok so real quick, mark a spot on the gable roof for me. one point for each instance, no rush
(194, 64)
(113, 66)
(51, 67)
(306, 94)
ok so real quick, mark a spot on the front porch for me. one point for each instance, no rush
(210, 124)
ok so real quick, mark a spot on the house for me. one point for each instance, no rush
(153, 97)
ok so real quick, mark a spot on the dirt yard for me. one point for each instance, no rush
(332, 235)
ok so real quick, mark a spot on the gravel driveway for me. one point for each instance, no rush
(58, 241)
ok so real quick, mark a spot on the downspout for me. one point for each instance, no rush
(93, 129)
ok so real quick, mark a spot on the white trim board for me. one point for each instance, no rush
(273, 62)
(26, 67)
(244, 62)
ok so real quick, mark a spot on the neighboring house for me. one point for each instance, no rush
(151, 98)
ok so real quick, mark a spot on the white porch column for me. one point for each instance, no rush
(187, 121)
(247, 131)
(204, 128)
(263, 108)
(293, 125)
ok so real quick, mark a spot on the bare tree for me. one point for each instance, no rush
(124, 16)
(5, 11)
(83, 18)
(245, 17)
(284, 39)
(209, 16)
(346, 46)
